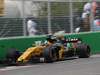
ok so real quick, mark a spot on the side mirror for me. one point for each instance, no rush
(33, 44)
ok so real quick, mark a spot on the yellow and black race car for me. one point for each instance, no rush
(54, 48)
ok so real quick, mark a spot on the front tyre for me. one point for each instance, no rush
(49, 54)
(12, 55)
(83, 50)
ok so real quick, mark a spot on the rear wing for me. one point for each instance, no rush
(73, 40)
(79, 40)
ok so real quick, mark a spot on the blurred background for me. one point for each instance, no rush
(52, 16)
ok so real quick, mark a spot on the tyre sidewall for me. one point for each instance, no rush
(47, 54)
(83, 50)
(12, 55)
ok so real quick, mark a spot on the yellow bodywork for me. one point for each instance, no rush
(32, 51)
(60, 52)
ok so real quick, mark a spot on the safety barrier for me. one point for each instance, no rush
(93, 39)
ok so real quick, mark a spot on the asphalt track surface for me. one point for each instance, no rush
(72, 66)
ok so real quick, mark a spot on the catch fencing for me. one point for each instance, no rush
(52, 16)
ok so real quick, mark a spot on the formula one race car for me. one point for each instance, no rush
(54, 48)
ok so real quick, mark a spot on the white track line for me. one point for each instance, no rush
(98, 55)
(16, 67)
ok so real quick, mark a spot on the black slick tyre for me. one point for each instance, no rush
(83, 50)
(12, 55)
(49, 54)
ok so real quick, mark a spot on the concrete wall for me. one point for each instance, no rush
(93, 39)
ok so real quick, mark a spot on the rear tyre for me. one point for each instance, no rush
(49, 54)
(12, 55)
(83, 50)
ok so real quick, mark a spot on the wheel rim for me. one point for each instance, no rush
(16, 55)
(88, 51)
(53, 54)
